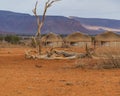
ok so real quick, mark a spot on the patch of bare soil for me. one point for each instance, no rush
(22, 77)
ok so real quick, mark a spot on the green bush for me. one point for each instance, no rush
(1, 38)
(12, 39)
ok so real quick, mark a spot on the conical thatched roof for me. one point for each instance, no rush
(51, 37)
(108, 36)
(78, 37)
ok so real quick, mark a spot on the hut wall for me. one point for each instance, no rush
(106, 43)
(80, 44)
(102, 43)
(118, 44)
(53, 44)
(114, 44)
(109, 44)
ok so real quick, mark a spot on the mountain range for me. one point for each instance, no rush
(98, 24)
(25, 24)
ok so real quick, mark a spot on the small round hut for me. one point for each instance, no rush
(52, 40)
(78, 39)
(108, 38)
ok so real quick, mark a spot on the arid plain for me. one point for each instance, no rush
(27, 77)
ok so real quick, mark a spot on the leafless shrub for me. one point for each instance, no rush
(110, 59)
(109, 63)
(84, 63)
(80, 65)
(33, 42)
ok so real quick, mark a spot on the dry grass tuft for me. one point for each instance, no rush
(109, 58)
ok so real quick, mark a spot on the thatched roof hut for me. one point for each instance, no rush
(108, 36)
(51, 37)
(78, 37)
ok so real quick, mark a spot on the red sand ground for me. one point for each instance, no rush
(21, 77)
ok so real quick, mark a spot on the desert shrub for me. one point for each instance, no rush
(85, 63)
(107, 51)
(80, 65)
(1, 38)
(110, 58)
(33, 42)
(12, 39)
(109, 63)
(98, 64)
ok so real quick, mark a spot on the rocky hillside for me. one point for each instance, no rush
(99, 25)
(25, 24)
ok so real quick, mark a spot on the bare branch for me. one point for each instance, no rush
(47, 5)
(34, 10)
(35, 13)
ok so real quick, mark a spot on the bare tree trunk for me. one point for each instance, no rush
(40, 23)
(37, 38)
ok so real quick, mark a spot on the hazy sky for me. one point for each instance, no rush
(81, 8)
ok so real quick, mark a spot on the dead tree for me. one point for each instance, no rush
(40, 23)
